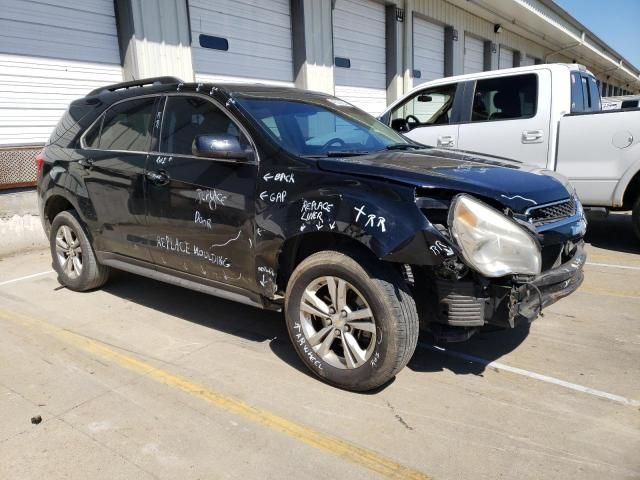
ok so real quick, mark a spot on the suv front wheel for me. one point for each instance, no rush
(73, 257)
(351, 319)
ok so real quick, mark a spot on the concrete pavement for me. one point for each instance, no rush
(146, 380)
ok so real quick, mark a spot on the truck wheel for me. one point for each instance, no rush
(635, 218)
(73, 257)
(351, 319)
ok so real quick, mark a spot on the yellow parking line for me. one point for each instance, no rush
(341, 448)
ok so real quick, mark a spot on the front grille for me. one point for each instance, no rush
(551, 212)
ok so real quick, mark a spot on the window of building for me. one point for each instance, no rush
(504, 98)
(187, 117)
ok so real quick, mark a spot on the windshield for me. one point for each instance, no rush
(321, 126)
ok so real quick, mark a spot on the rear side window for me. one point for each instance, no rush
(503, 98)
(584, 93)
(187, 117)
(126, 126)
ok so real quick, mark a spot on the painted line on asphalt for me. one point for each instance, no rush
(360, 456)
(27, 277)
(611, 265)
(536, 376)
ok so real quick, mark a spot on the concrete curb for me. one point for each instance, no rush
(20, 227)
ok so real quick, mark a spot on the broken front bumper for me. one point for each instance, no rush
(533, 295)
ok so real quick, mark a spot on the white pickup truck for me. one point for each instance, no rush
(545, 115)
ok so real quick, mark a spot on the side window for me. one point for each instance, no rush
(187, 117)
(428, 107)
(594, 94)
(577, 93)
(502, 98)
(92, 137)
(128, 126)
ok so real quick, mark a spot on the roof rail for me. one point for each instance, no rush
(135, 83)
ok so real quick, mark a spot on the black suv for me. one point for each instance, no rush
(287, 199)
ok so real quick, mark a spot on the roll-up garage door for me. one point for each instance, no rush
(241, 40)
(527, 61)
(428, 51)
(50, 54)
(359, 50)
(505, 59)
(473, 54)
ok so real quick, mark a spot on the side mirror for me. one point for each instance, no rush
(220, 145)
(424, 98)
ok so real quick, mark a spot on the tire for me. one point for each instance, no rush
(385, 341)
(635, 218)
(68, 241)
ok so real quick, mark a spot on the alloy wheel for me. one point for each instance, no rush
(69, 251)
(338, 322)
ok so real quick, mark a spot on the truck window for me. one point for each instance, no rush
(594, 94)
(502, 98)
(577, 93)
(584, 93)
(431, 106)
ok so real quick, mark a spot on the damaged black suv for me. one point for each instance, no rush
(287, 199)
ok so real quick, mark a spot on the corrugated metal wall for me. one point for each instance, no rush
(462, 21)
(50, 54)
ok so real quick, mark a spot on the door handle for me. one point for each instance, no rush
(532, 136)
(446, 141)
(158, 178)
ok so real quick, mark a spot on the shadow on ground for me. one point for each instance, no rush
(614, 232)
(242, 321)
(255, 325)
(489, 345)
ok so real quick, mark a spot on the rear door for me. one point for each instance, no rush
(200, 210)
(510, 116)
(115, 150)
(429, 116)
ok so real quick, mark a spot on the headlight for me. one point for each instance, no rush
(490, 242)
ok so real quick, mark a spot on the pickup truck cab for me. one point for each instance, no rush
(297, 201)
(544, 115)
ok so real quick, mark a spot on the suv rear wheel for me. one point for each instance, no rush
(73, 257)
(351, 319)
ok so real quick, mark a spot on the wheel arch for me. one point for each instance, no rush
(631, 192)
(295, 249)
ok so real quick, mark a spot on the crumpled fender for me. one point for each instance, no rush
(380, 215)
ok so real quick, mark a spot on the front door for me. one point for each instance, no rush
(115, 152)
(200, 210)
(427, 116)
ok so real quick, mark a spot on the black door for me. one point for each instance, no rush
(116, 150)
(200, 210)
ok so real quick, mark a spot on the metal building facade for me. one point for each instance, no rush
(368, 51)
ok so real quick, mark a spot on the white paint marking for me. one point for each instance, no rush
(611, 265)
(535, 376)
(7, 282)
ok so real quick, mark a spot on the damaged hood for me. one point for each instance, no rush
(513, 184)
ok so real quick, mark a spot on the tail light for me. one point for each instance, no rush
(39, 163)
